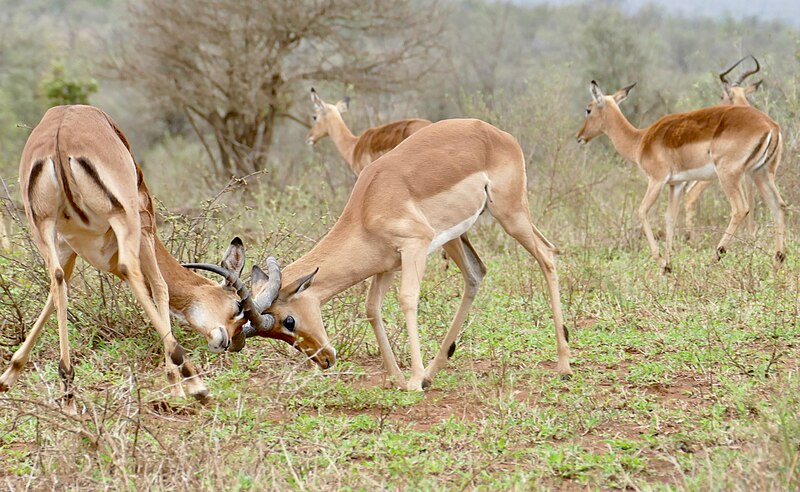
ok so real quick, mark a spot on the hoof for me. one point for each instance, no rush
(201, 396)
(666, 270)
(780, 257)
(451, 350)
(426, 383)
(720, 253)
(414, 386)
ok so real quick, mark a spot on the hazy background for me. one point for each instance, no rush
(210, 89)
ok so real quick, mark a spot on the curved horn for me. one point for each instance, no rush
(726, 72)
(748, 73)
(265, 300)
(251, 312)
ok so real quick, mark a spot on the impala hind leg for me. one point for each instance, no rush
(765, 182)
(377, 291)
(45, 235)
(129, 240)
(473, 270)
(515, 218)
(21, 356)
(732, 186)
(412, 261)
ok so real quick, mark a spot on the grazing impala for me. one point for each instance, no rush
(733, 93)
(721, 141)
(424, 194)
(84, 195)
(362, 150)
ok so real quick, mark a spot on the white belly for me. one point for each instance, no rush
(453, 232)
(705, 173)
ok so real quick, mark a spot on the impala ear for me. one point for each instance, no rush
(344, 104)
(258, 280)
(597, 94)
(622, 94)
(234, 257)
(753, 87)
(317, 101)
(299, 285)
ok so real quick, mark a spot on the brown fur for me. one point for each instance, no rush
(77, 162)
(679, 148)
(375, 142)
(423, 194)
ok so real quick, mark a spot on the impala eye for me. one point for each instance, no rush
(588, 111)
(288, 323)
(314, 117)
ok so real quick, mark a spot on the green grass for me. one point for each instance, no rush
(688, 381)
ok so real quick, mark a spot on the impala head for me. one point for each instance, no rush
(325, 115)
(298, 319)
(734, 92)
(598, 109)
(227, 309)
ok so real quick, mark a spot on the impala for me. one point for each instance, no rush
(84, 194)
(423, 195)
(721, 141)
(364, 149)
(733, 93)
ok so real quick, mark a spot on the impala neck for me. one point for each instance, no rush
(342, 137)
(625, 137)
(181, 282)
(341, 262)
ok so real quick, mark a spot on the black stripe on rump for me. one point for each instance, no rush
(36, 171)
(89, 168)
(65, 184)
(756, 153)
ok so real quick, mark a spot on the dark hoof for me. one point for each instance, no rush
(780, 257)
(451, 350)
(720, 253)
(565, 377)
(666, 270)
(426, 383)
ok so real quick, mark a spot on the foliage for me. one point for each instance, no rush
(237, 77)
(687, 381)
(59, 89)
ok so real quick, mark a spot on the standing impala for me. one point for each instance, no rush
(733, 93)
(362, 150)
(424, 194)
(84, 195)
(721, 141)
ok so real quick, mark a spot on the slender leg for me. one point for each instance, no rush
(45, 235)
(377, 292)
(766, 186)
(158, 286)
(731, 185)
(473, 270)
(651, 195)
(21, 356)
(412, 261)
(129, 239)
(693, 192)
(673, 208)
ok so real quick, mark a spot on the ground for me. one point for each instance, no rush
(685, 381)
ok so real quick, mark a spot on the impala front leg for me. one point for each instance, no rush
(412, 262)
(651, 195)
(377, 292)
